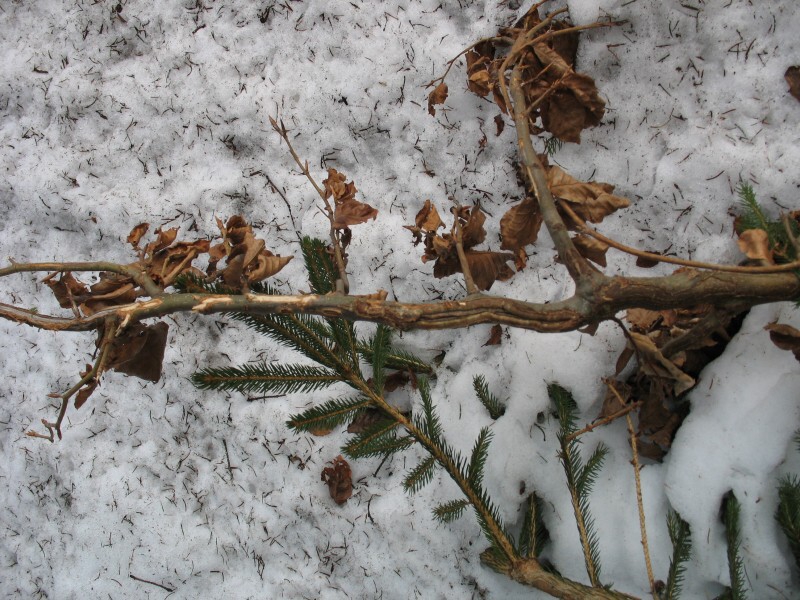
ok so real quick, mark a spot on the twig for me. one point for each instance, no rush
(639, 502)
(342, 285)
(584, 228)
(140, 579)
(462, 256)
(92, 374)
(605, 420)
(581, 271)
(139, 276)
(787, 225)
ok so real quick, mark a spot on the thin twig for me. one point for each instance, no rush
(91, 375)
(639, 501)
(138, 275)
(462, 256)
(342, 285)
(605, 420)
(584, 228)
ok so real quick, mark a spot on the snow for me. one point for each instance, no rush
(108, 120)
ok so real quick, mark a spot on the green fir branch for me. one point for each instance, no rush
(379, 439)
(477, 462)
(321, 270)
(579, 477)
(428, 422)
(492, 404)
(534, 534)
(788, 513)
(450, 511)
(420, 475)
(381, 344)
(731, 513)
(266, 378)
(329, 415)
(396, 359)
(681, 537)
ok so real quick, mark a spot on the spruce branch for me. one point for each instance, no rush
(266, 378)
(788, 513)
(731, 513)
(534, 534)
(450, 511)
(420, 475)
(681, 537)
(328, 415)
(579, 477)
(492, 404)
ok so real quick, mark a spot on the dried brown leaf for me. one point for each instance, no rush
(592, 201)
(339, 479)
(591, 248)
(785, 337)
(364, 420)
(487, 267)
(657, 365)
(67, 289)
(520, 225)
(139, 351)
(496, 336)
(755, 244)
(437, 96)
(792, 77)
(136, 234)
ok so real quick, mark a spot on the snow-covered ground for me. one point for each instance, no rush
(113, 114)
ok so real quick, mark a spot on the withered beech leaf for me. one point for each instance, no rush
(656, 364)
(139, 351)
(164, 239)
(397, 380)
(792, 77)
(755, 244)
(574, 104)
(87, 390)
(487, 267)
(612, 403)
(339, 479)
(520, 225)
(785, 337)
(499, 124)
(646, 263)
(472, 232)
(496, 336)
(642, 318)
(347, 210)
(67, 289)
(428, 218)
(136, 234)
(352, 212)
(437, 96)
(592, 201)
(591, 248)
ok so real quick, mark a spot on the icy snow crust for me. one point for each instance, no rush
(160, 113)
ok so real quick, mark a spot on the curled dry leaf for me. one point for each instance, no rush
(139, 351)
(755, 244)
(591, 248)
(785, 337)
(520, 225)
(437, 96)
(347, 210)
(136, 234)
(657, 365)
(67, 290)
(792, 77)
(570, 101)
(247, 259)
(495, 337)
(592, 201)
(339, 479)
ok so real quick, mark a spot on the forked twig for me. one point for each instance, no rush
(89, 377)
(343, 285)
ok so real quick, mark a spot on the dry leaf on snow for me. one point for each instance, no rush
(437, 96)
(339, 480)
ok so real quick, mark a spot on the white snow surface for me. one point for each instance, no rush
(159, 113)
